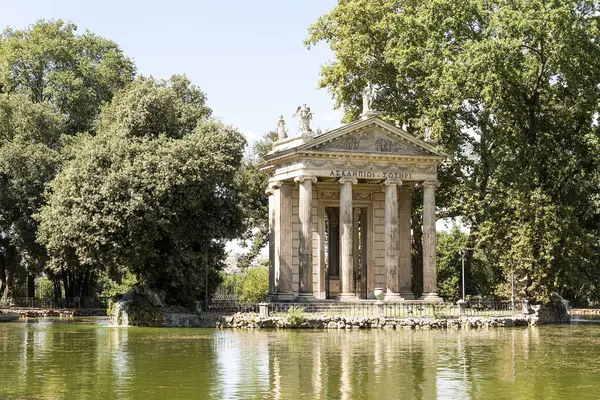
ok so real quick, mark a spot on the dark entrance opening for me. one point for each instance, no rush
(332, 251)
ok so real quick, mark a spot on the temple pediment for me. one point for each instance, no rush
(366, 149)
(370, 141)
(371, 136)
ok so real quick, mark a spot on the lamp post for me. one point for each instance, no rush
(462, 253)
(512, 287)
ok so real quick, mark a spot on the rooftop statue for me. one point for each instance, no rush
(281, 128)
(367, 95)
(305, 116)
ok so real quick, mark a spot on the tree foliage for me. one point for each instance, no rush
(30, 138)
(449, 268)
(50, 62)
(255, 202)
(153, 193)
(510, 92)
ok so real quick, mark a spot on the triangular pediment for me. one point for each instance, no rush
(370, 141)
(371, 136)
(363, 139)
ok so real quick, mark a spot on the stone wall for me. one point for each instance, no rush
(253, 321)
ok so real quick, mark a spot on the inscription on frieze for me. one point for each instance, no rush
(370, 174)
(368, 167)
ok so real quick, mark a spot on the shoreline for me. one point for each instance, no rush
(58, 312)
(253, 321)
(310, 321)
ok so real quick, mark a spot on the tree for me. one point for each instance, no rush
(510, 91)
(50, 62)
(449, 266)
(255, 284)
(255, 201)
(153, 193)
(30, 139)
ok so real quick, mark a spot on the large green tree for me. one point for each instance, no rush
(30, 138)
(509, 89)
(49, 61)
(153, 193)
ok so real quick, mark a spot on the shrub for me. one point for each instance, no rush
(296, 315)
(254, 285)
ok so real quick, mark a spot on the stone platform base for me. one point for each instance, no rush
(252, 321)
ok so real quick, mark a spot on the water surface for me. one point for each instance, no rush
(49, 359)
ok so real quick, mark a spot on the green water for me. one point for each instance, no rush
(88, 359)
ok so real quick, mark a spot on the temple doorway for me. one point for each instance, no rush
(360, 252)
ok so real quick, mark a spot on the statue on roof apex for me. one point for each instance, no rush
(281, 128)
(305, 116)
(367, 100)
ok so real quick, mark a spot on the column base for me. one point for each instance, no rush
(392, 297)
(306, 297)
(281, 297)
(408, 295)
(347, 297)
(431, 297)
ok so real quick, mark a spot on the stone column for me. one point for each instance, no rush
(346, 246)
(404, 250)
(284, 275)
(305, 289)
(429, 269)
(280, 241)
(273, 217)
(391, 240)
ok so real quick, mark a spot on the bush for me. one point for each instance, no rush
(255, 284)
(46, 288)
(296, 315)
(110, 288)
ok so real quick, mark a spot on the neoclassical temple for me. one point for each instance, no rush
(340, 212)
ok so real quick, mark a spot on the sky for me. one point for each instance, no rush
(247, 56)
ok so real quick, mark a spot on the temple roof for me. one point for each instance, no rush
(366, 138)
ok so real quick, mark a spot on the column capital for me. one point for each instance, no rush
(392, 181)
(354, 181)
(302, 178)
(272, 187)
(435, 184)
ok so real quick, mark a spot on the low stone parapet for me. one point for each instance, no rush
(253, 321)
(584, 311)
(61, 313)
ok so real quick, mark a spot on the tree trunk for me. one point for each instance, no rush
(3, 284)
(57, 289)
(30, 286)
(9, 282)
(65, 278)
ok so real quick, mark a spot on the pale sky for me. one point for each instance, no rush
(247, 56)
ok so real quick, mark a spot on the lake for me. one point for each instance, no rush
(86, 358)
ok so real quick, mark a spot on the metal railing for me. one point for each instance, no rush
(52, 303)
(231, 304)
(490, 308)
(372, 308)
(366, 309)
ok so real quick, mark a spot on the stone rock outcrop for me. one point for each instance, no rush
(552, 312)
(138, 307)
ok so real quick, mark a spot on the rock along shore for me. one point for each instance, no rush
(253, 321)
(144, 307)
